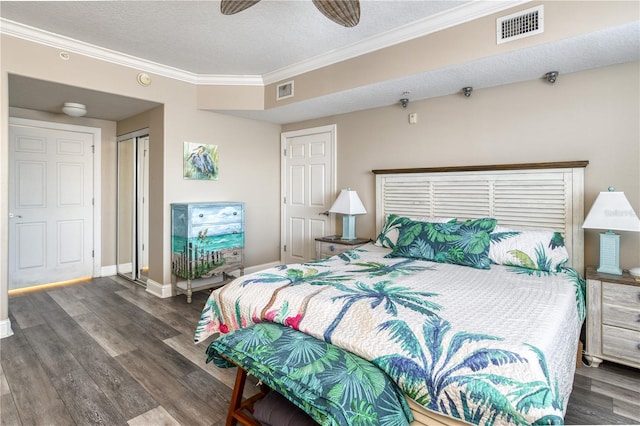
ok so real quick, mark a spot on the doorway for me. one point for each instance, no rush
(308, 188)
(132, 221)
(54, 233)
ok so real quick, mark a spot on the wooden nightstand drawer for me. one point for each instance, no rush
(620, 294)
(329, 249)
(331, 246)
(621, 343)
(621, 316)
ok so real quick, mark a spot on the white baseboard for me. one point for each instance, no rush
(257, 268)
(108, 271)
(166, 290)
(5, 328)
(159, 290)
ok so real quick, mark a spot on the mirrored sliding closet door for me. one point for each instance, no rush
(132, 237)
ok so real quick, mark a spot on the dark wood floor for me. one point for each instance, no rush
(106, 352)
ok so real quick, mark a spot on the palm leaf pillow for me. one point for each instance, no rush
(388, 236)
(461, 243)
(540, 250)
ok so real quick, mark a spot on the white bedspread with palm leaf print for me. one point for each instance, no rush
(485, 346)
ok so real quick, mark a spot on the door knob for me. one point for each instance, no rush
(11, 216)
(326, 213)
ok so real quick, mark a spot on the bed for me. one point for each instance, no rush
(471, 298)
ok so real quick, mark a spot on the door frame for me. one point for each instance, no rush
(97, 183)
(330, 128)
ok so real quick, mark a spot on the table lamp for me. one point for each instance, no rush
(611, 211)
(348, 203)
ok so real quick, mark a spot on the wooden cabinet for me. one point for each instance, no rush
(613, 318)
(330, 246)
(207, 243)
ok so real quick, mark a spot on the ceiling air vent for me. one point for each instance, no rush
(521, 24)
(284, 90)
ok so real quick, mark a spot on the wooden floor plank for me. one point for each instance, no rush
(173, 396)
(106, 312)
(8, 412)
(124, 392)
(70, 332)
(4, 386)
(157, 417)
(144, 302)
(630, 409)
(25, 314)
(164, 356)
(87, 404)
(71, 305)
(51, 351)
(27, 379)
(108, 337)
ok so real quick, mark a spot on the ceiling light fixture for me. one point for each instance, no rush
(74, 110)
(467, 91)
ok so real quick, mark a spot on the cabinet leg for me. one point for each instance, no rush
(593, 361)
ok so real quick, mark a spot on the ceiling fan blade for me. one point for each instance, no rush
(230, 7)
(343, 12)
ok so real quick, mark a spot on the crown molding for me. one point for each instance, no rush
(449, 18)
(68, 44)
(459, 15)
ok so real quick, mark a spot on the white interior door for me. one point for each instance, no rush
(51, 233)
(308, 179)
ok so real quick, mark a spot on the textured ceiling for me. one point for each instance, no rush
(192, 40)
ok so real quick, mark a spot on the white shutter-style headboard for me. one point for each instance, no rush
(522, 196)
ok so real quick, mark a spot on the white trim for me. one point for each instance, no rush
(258, 268)
(97, 177)
(108, 271)
(162, 291)
(447, 19)
(5, 328)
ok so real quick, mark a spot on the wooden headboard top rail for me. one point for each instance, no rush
(524, 166)
(546, 196)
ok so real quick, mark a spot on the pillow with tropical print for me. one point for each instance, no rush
(389, 234)
(541, 250)
(461, 243)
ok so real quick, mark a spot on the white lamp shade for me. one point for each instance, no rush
(612, 211)
(348, 202)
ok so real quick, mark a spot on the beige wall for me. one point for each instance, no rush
(591, 115)
(249, 154)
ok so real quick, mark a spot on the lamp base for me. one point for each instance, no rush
(348, 227)
(610, 253)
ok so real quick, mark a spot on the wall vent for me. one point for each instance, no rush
(520, 24)
(284, 90)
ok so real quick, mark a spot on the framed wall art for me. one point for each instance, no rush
(200, 161)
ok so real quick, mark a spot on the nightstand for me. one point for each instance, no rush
(613, 318)
(330, 246)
